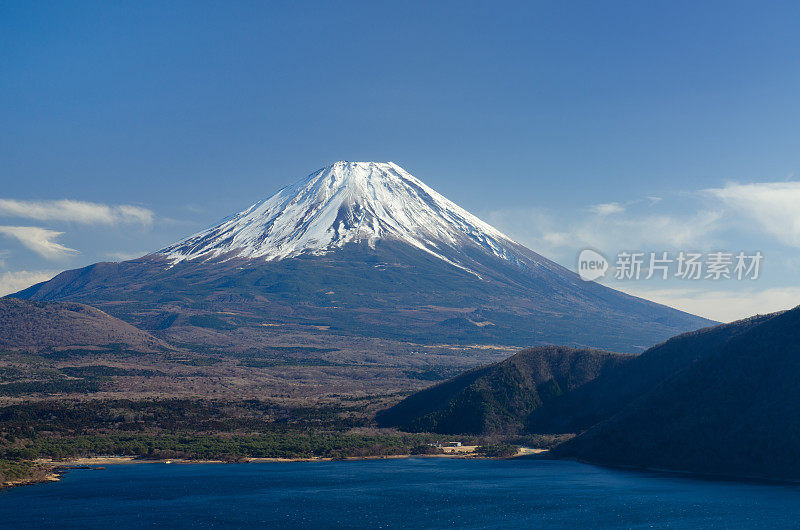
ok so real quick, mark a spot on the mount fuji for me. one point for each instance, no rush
(348, 202)
(365, 249)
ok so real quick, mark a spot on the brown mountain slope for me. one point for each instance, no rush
(35, 326)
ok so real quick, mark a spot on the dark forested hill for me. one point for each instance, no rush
(607, 395)
(734, 411)
(498, 398)
(722, 400)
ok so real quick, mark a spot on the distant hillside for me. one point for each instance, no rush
(734, 411)
(497, 398)
(35, 326)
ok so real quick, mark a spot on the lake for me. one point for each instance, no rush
(394, 493)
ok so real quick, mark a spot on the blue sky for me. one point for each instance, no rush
(167, 116)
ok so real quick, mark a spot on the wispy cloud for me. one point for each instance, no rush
(608, 208)
(703, 220)
(39, 240)
(774, 207)
(13, 281)
(77, 211)
(720, 305)
(770, 208)
(558, 236)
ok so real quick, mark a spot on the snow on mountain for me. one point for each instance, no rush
(344, 203)
(435, 274)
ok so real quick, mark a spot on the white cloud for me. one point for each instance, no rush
(13, 281)
(39, 240)
(560, 237)
(721, 305)
(773, 206)
(651, 231)
(608, 208)
(76, 211)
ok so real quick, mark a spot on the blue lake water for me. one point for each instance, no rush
(400, 493)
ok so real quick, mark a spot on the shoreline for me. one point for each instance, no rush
(130, 459)
(45, 474)
(52, 470)
(133, 459)
(52, 476)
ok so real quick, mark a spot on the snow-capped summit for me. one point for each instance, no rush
(344, 203)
